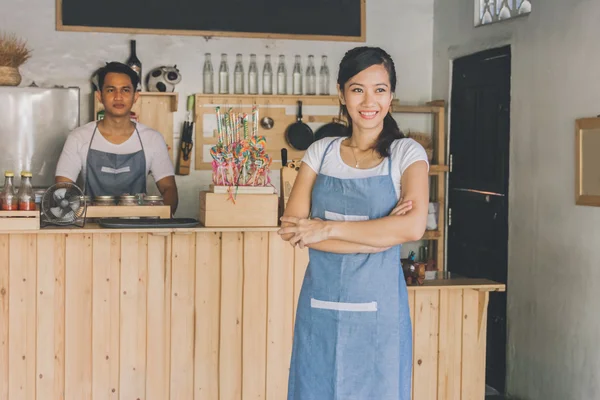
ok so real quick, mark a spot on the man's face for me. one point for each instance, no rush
(118, 94)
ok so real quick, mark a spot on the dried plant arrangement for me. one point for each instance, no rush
(13, 51)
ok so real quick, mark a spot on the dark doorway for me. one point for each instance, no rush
(478, 186)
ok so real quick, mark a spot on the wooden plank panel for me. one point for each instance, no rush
(4, 314)
(182, 316)
(78, 317)
(50, 313)
(256, 253)
(22, 317)
(483, 301)
(411, 306)
(157, 377)
(450, 344)
(280, 317)
(426, 344)
(470, 359)
(300, 265)
(208, 300)
(106, 255)
(132, 348)
(230, 354)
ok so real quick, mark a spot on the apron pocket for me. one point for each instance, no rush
(333, 216)
(347, 333)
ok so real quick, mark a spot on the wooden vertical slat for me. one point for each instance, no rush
(22, 317)
(450, 344)
(256, 261)
(182, 316)
(132, 348)
(168, 296)
(483, 302)
(156, 374)
(50, 313)
(300, 264)
(78, 317)
(470, 360)
(280, 316)
(105, 315)
(230, 352)
(208, 300)
(411, 306)
(426, 344)
(4, 314)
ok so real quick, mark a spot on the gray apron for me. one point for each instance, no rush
(109, 174)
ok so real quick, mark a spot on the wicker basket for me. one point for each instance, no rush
(424, 140)
(9, 76)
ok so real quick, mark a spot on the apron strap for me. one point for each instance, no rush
(325, 153)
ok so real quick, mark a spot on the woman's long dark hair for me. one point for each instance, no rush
(355, 61)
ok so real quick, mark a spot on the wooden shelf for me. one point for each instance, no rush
(432, 235)
(429, 108)
(266, 100)
(435, 169)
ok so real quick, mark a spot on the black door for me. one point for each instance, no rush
(478, 186)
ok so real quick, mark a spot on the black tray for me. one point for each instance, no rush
(148, 223)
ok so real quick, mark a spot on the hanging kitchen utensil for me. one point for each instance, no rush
(267, 122)
(284, 157)
(185, 149)
(337, 127)
(299, 135)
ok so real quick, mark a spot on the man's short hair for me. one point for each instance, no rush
(118, 68)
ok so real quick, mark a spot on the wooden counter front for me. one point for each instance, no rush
(192, 314)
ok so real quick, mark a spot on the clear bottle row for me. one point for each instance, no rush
(271, 84)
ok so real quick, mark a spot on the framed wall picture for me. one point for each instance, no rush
(587, 162)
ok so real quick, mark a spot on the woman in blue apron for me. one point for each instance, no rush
(352, 339)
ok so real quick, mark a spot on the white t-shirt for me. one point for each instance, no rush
(73, 159)
(404, 152)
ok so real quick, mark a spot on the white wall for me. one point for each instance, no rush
(403, 27)
(554, 257)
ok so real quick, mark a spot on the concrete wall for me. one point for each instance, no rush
(553, 270)
(403, 27)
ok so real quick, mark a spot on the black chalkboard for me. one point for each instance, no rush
(342, 20)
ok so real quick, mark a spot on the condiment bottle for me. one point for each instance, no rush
(297, 77)
(267, 76)
(8, 198)
(311, 76)
(25, 194)
(238, 75)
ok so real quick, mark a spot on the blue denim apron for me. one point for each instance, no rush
(353, 335)
(109, 174)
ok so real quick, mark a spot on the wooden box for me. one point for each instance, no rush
(19, 220)
(251, 210)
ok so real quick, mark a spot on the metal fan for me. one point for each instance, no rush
(63, 204)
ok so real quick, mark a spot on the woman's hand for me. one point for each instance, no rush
(305, 231)
(402, 207)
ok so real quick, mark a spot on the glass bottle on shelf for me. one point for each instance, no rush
(7, 197)
(224, 75)
(25, 194)
(311, 76)
(208, 75)
(281, 76)
(297, 77)
(135, 63)
(252, 75)
(238, 75)
(267, 76)
(324, 77)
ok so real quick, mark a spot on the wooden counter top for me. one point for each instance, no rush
(201, 313)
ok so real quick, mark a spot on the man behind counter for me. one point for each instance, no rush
(115, 154)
